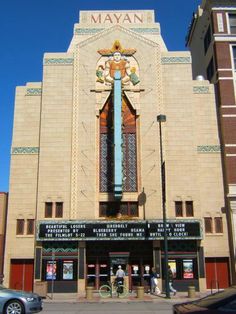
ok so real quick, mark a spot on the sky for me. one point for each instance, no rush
(29, 28)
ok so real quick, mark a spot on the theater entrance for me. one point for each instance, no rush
(104, 257)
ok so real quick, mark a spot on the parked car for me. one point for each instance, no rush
(217, 303)
(19, 302)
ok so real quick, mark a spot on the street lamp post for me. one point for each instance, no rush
(160, 119)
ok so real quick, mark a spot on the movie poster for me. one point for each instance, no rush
(67, 270)
(51, 271)
(172, 264)
(188, 269)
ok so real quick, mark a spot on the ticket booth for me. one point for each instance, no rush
(116, 259)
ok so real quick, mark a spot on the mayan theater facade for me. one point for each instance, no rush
(92, 167)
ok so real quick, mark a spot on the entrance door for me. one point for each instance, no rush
(21, 274)
(104, 257)
(217, 273)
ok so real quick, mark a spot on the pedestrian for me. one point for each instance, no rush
(170, 275)
(154, 282)
(120, 274)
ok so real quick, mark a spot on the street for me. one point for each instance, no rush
(111, 308)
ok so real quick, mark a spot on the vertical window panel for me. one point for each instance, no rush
(189, 208)
(232, 23)
(106, 163)
(106, 148)
(218, 225)
(129, 162)
(179, 209)
(48, 210)
(30, 226)
(234, 57)
(208, 224)
(20, 225)
(59, 210)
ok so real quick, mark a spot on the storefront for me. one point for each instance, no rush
(135, 245)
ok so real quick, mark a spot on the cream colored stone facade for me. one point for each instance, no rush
(55, 147)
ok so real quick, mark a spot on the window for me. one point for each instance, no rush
(218, 225)
(48, 210)
(30, 226)
(234, 57)
(179, 209)
(129, 148)
(207, 39)
(117, 209)
(232, 23)
(189, 208)
(208, 224)
(210, 70)
(59, 210)
(20, 224)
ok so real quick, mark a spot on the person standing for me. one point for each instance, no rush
(120, 274)
(154, 282)
(170, 275)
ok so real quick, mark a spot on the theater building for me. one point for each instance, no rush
(212, 42)
(86, 184)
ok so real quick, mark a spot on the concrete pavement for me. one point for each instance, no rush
(81, 298)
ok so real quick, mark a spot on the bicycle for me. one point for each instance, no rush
(114, 288)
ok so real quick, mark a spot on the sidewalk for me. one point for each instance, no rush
(81, 298)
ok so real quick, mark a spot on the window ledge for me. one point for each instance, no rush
(214, 234)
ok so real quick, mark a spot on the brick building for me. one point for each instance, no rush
(86, 185)
(212, 42)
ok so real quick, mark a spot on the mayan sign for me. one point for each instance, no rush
(116, 18)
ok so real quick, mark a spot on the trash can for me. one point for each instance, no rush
(191, 292)
(140, 292)
(41, 288)
(89, 293)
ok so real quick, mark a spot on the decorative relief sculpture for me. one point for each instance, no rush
(100, 74)
(119, 59)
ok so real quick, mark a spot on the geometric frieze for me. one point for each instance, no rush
(208, 149)
(33, 91)
(201, 90)
(58, 61)
(146, 30)
(87, 31)
(171, 60)
(92, 31)
(25, 150)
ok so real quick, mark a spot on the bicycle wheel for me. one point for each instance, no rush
(105, 291)
(121, 291)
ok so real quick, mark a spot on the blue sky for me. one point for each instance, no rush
(29, 28)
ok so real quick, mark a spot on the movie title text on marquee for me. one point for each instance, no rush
(146, 230)
(175, 230)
